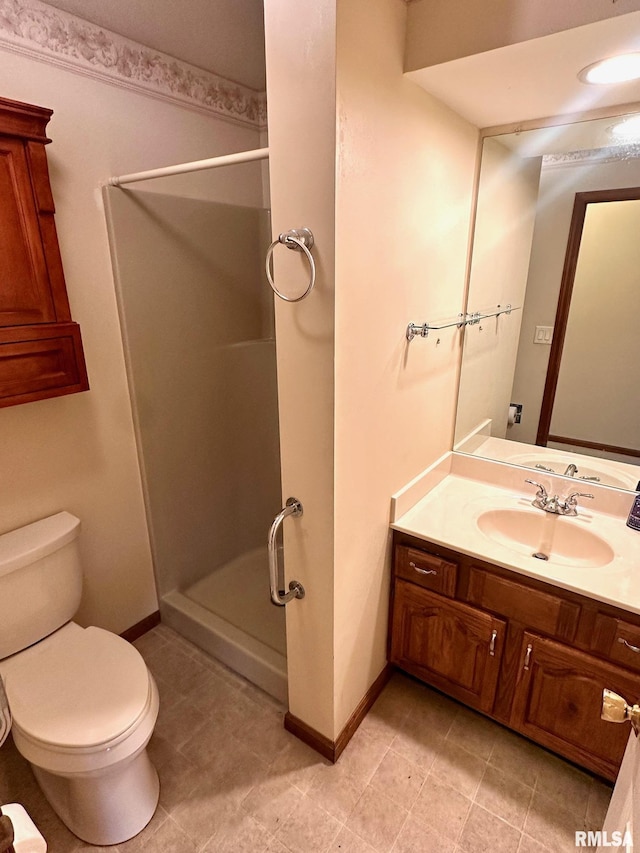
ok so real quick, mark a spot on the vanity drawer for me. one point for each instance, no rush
(618, 640)
(532, 607)
(427, 570)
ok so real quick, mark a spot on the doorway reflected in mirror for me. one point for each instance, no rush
(524, 245)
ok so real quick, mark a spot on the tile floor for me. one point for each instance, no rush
(422, 775)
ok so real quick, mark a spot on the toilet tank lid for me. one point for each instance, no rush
(19, 548)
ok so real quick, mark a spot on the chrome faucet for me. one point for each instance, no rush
(573, 469)
(553, 503)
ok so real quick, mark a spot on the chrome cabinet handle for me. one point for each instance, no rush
(423, 571)
(492, 643)
(527, 657)
(628, 645)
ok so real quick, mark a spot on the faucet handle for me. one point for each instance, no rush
(570, 504)
(573, 497)
(542, 498)
(542, 492)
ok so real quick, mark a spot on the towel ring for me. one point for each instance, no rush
(300, 240)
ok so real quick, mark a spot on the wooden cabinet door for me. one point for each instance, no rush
(452, 646)
(558, 700)
(25, 289)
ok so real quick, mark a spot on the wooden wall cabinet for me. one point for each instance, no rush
(41, 351)
(530, 655)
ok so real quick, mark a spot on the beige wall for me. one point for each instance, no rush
(300, 51)
(442, 30)
(78, 453)
(384, 172)
(405, 171)
(506, 208)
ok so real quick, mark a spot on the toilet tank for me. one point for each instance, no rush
(40, 580)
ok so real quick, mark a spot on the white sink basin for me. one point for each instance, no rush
(547, 536)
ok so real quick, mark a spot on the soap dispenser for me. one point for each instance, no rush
(634, 514)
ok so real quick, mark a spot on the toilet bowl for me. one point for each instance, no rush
(83, 702)
(84, 706)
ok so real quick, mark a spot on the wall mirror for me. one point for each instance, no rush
(551, 385)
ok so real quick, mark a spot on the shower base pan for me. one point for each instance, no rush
(259, 656)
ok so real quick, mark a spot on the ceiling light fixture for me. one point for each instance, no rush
(627, 130)
(615, 69)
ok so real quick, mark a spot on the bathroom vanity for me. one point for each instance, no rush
(531, 643)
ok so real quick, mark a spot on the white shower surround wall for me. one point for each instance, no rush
(38, 30)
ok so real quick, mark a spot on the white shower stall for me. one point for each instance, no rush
(198, 332)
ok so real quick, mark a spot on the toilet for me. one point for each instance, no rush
(83, 702)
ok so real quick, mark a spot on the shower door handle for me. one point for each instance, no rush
(296, 590)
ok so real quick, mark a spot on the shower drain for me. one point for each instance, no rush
(540, 556)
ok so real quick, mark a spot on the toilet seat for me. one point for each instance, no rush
(81, 699)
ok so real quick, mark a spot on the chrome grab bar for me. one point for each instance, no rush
(296, 590)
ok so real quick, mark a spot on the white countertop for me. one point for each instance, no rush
(447, 515)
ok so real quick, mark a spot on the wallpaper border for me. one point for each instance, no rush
(31, 27)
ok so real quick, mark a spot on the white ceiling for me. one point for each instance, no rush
(536, 78)
(225, 37)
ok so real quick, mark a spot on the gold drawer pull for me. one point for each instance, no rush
(527, 657)
(628, 645)
(492, 643)
(423, 571)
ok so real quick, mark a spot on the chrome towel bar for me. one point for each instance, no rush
(296, 590)
(463, 320)
(413, 329)
(301, 240)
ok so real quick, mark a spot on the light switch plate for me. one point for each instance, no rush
(543, 335)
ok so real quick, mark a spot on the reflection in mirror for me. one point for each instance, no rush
(523, 235)
(595, 330)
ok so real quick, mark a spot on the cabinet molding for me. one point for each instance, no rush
(41, 361)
